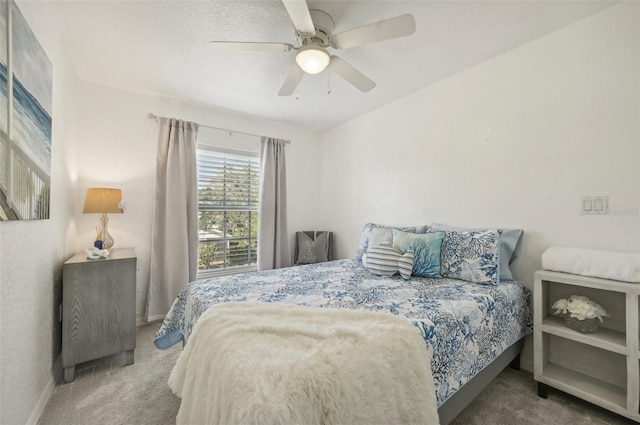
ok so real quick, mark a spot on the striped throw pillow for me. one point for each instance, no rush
(405, 264)
(385, 260)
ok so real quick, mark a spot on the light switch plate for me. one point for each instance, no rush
(595, 205)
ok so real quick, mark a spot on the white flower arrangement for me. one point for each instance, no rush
(579, 307)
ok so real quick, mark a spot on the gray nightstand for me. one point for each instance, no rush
(98, 308)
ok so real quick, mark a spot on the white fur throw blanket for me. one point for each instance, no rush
(592, 262)
(277, 364)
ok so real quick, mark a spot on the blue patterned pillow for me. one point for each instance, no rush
(426, 251)
(386, 260)
(364, 244)
(509, 240)
(471, 256)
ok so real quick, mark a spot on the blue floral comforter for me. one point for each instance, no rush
(467, 325)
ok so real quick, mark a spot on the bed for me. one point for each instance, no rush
(473, 330)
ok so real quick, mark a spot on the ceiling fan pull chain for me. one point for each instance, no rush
(328, 81)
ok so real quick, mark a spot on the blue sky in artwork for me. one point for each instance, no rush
(30, 62)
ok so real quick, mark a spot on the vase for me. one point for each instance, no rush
(586, 326)
(107, 240)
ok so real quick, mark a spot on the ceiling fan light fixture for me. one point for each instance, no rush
(312, 59)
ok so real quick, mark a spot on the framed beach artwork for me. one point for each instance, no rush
(26, 82)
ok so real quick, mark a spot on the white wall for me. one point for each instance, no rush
(513, 142)
(117, 148)
(32, 253)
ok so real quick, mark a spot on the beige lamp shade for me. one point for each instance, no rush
(102, 200)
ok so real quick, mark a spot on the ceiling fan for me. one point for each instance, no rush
(314, 29)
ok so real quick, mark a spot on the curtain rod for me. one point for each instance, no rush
(153, 116)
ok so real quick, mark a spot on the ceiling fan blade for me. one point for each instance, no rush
(400, 26)
(233, 46)
(292, 81)
(300, 16)
(352, 75)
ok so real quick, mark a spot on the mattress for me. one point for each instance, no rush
(465, 325)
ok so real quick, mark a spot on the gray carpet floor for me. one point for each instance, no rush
(106, 391)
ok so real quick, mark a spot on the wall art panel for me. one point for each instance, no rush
(25, 120)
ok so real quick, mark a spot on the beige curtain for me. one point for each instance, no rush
(273, 238)
(174, 233)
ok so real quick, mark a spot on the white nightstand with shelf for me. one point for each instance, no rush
(602, 368)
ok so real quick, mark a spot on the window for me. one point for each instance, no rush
(227, 209)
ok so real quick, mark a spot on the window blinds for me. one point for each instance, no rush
(228, 185)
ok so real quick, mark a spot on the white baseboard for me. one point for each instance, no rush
(141, 322)
(526, 364)
(42, 402)
(46, 393)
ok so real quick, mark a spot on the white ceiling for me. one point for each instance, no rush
(162, 47)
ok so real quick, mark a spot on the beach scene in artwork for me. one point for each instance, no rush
(26, 148)
(31, 122)
(32, 94)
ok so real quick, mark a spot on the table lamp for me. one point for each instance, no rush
(103, 200)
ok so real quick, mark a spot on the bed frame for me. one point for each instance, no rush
(468, 392)
(461, 398)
